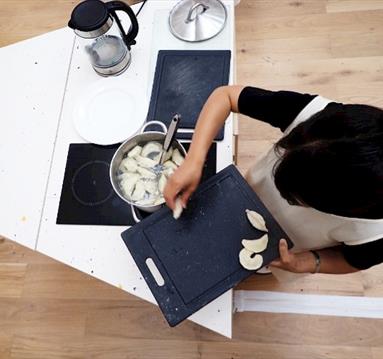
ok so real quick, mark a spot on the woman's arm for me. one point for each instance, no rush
(332, 261)
(217, 108)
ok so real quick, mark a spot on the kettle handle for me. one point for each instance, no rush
(129, 37)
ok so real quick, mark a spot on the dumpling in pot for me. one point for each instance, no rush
(145, 173)
(168, 155)
(145, 162)
(159, 200)
(128, 184)
(123, 176)
(162, 183)
(177, 158)
(128, 165)
(152, 150)
(168, 172)
(139, 191)
(135, 151)
(146, 201)
(151, 186)
(170, 164)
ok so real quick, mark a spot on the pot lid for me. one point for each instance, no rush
(197, 20)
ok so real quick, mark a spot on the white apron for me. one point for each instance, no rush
(307, 227)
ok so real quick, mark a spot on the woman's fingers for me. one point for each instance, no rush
(182, 183)
(170, 193)
(284, 255)
(185, 196)
(284, 250)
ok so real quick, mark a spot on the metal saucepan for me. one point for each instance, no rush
(140, 139)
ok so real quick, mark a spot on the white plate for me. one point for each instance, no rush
(109, 112)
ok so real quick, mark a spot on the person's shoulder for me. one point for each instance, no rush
(277, 108)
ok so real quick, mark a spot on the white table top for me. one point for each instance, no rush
(38, 118)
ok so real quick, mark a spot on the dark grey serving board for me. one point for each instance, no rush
(197, 255)
(183, 81)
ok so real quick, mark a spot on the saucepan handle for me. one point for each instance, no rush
(134, 214)
(149, 123)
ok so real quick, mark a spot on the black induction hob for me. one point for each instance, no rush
(87, 196)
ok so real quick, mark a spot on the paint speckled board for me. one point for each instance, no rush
(196, 256)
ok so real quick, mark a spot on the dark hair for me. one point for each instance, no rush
(333, 162)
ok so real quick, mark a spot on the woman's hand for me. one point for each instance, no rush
(332, 261)
(183, 183)
(303, 262)
(215, 111)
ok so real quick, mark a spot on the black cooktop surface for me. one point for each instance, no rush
(87, 196)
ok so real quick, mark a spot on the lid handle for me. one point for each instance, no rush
(194, 9)
(128, 37)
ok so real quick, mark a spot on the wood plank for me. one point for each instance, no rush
(283, 8)
(12, 279)
(101, 347)
(104, 347)
(140, 320)
(350, 284)
(23, 19)
(12, 252)
(56, 280)
(251, 350)
(364, 44)
(42, 317)
(281, 49)
(308, 329)
(6, 341)
(353, 5)
(377, 353)
(372, 281)
(333, 78)
(255, 130)
(307, 25)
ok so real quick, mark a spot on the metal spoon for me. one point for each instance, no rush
(170, 135)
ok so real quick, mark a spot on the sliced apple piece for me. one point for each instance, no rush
(256, 245)
(256, 220)
(250, 260)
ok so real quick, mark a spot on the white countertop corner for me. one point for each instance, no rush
(31, 94)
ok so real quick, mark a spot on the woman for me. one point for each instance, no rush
(323, 181)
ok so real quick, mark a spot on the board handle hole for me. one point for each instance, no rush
(155, 272)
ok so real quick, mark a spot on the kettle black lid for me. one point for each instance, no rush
(89, 15)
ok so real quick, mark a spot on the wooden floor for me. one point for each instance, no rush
(48, 310)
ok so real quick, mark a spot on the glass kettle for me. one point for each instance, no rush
(103, 36)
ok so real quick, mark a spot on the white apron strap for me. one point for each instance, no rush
(316, 105)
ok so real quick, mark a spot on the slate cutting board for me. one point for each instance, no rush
(183, 81)
(197, 255)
